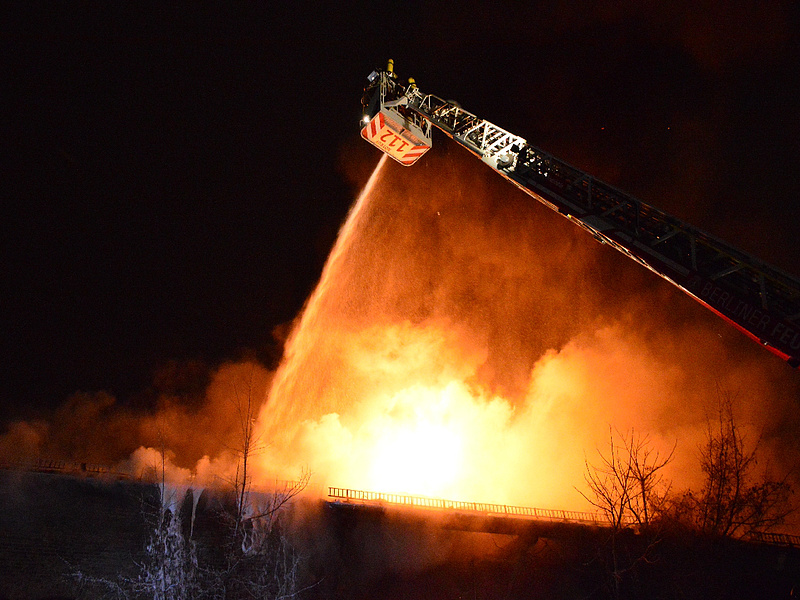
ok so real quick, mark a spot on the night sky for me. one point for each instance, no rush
(176, 173)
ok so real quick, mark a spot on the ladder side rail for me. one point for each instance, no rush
(636, 220)
(612, 209)
(579, 182)
(567, 175)
(759, 299)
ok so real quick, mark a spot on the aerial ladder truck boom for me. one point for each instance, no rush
(760, 300)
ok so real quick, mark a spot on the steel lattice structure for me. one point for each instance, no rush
(758, 299)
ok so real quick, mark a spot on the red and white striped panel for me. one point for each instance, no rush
(374, 126)
(405, 150)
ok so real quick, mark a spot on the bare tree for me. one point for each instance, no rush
(624, 486)
(167, 569)
(258, 561)
(651, 487)
(246, 555)
(628, 481)
(733, 500)
(247, 447)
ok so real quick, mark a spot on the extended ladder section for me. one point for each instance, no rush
(760, 300)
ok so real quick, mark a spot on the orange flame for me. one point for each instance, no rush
(463, 347)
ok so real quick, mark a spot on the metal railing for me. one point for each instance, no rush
(46, 465)
(482, 508)
(776, 539)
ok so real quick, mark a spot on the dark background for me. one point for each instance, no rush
(176, 173)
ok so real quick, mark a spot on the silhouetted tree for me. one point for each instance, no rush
(625, 486)
(734, 500)
(168, 567)
(627, 483)
(258, 561)
(250, 558)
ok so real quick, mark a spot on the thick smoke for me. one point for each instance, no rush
(465, 341)
(197, 435)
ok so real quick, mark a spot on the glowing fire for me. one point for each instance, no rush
(458, 345)
(420, 448)
(437, 436)
(423, 363)
(387, 382)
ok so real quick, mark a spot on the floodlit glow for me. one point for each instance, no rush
(455, 347)
(421, 451)
(431, 359)
(365, 119)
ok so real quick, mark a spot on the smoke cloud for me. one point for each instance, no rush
(197, 437)
(463, 342)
